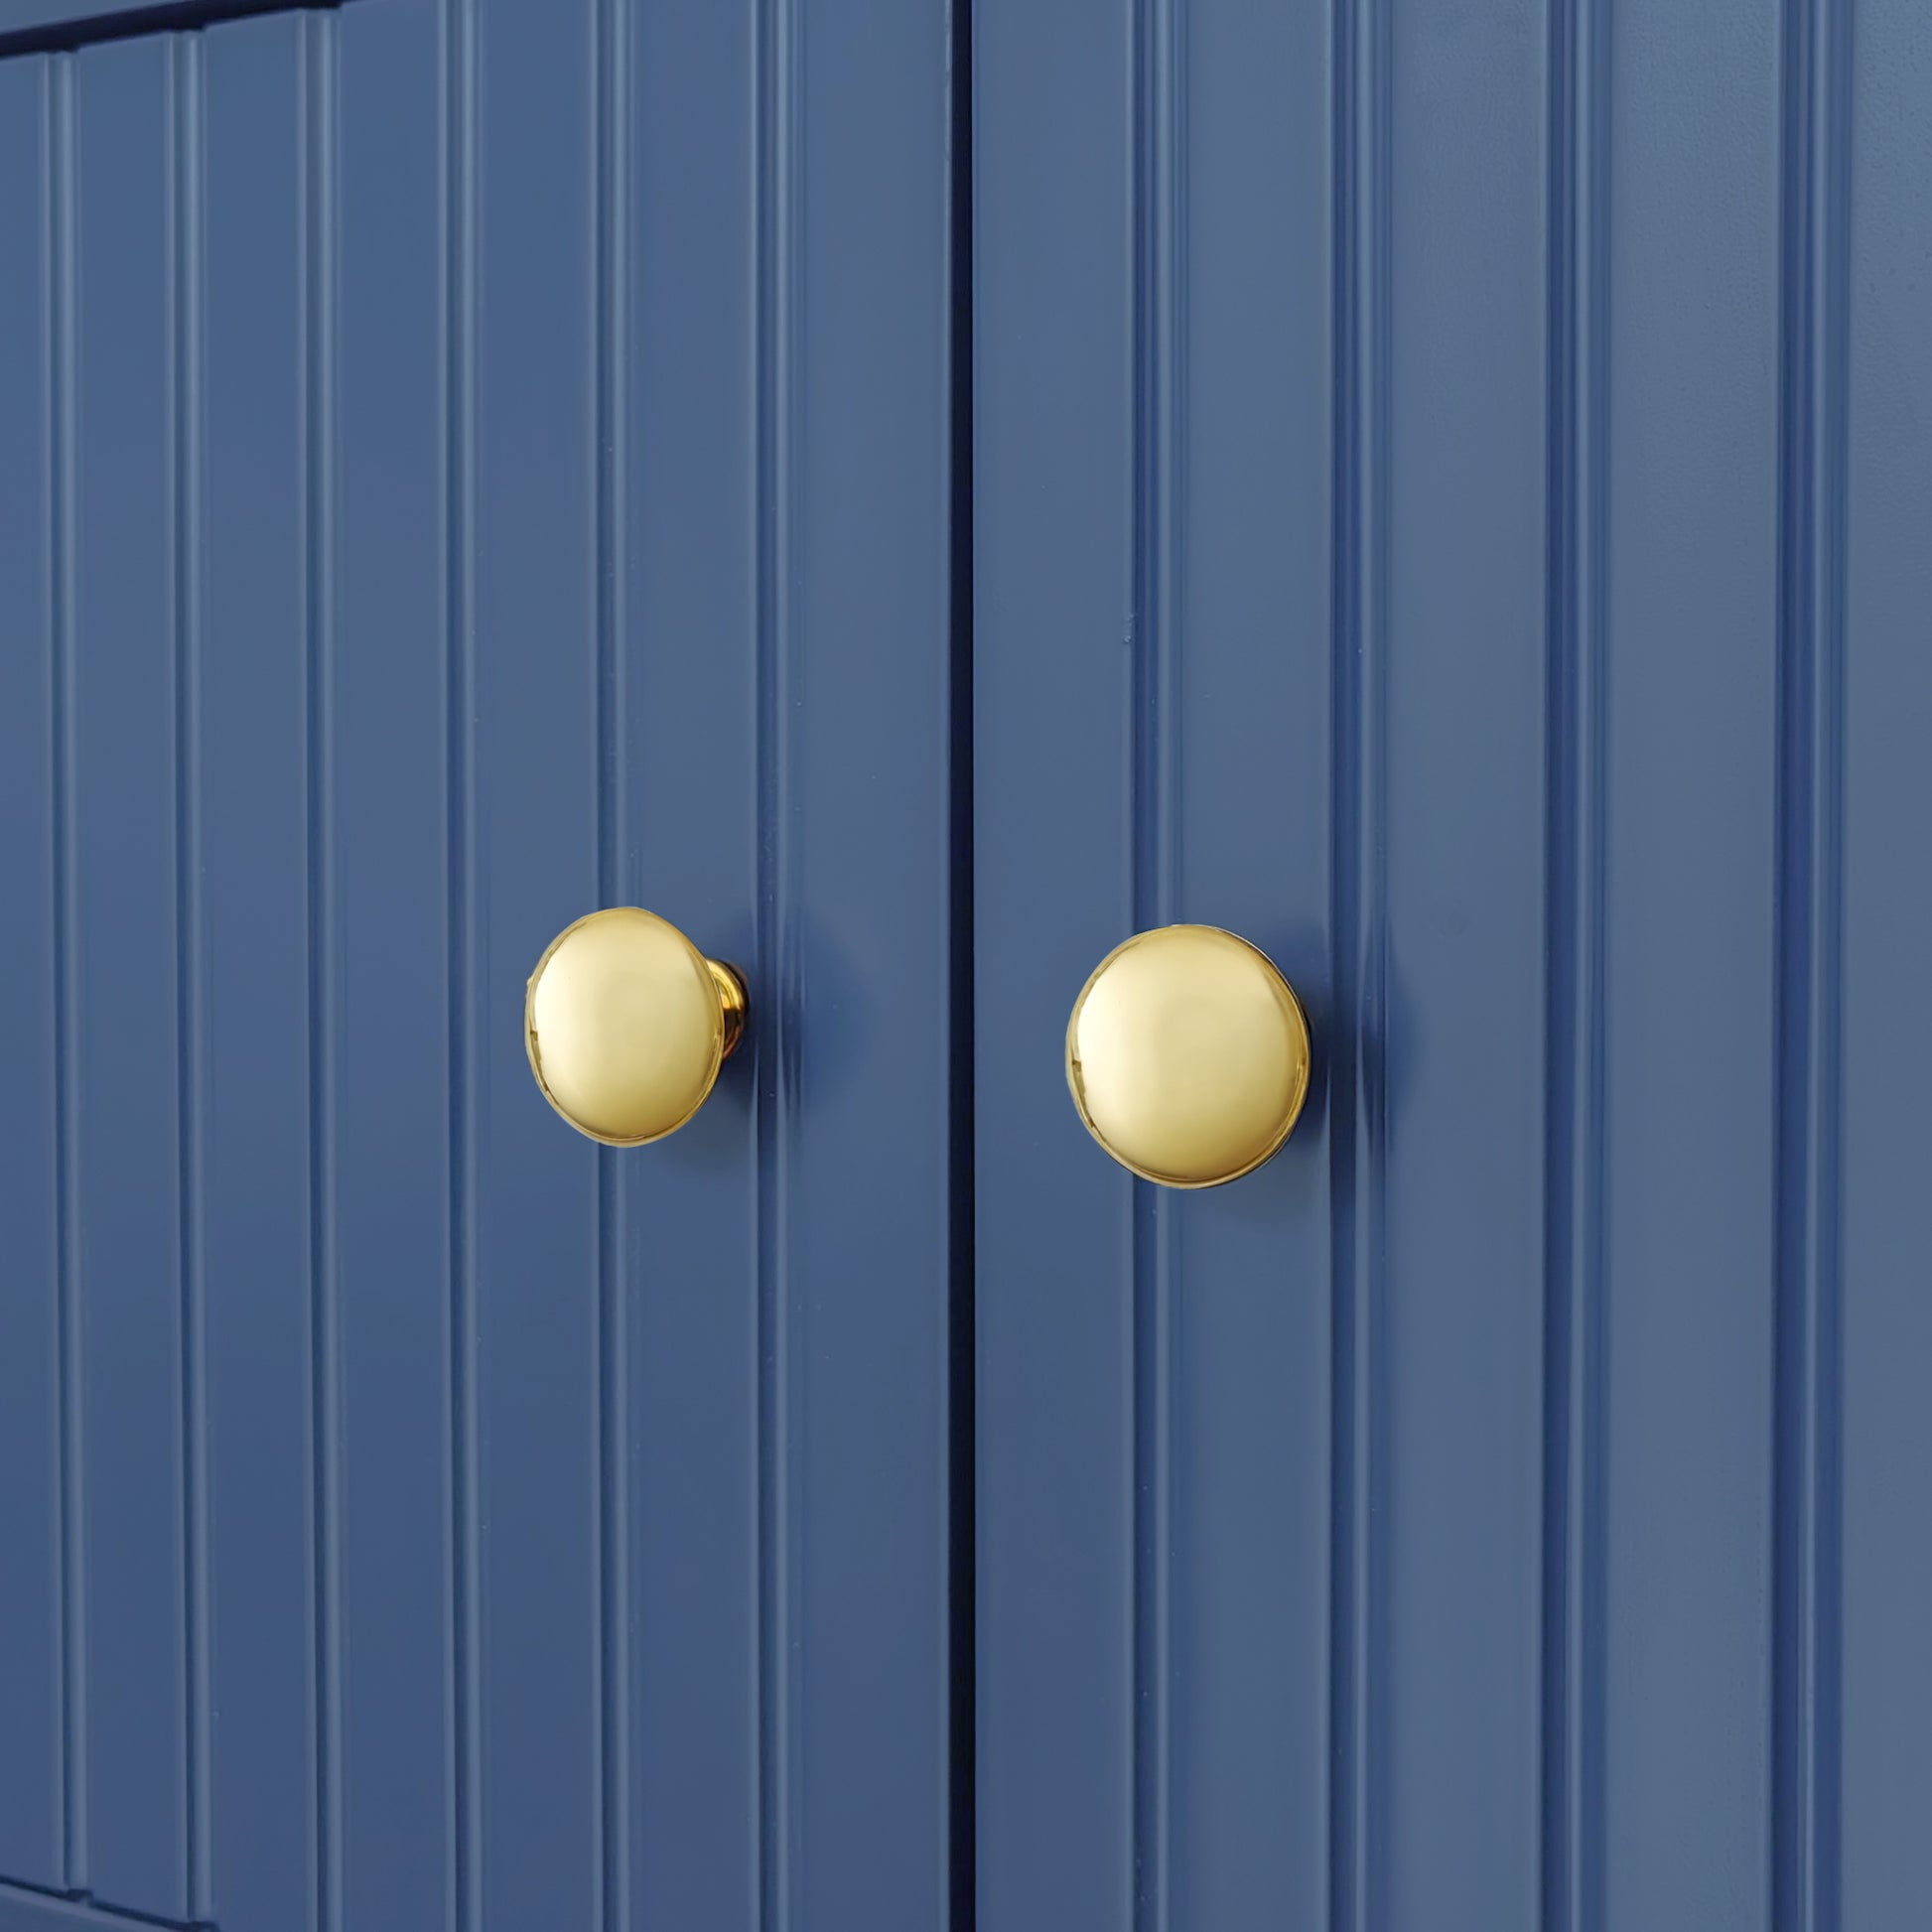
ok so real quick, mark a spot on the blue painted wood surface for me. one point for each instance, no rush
(34, 1307)
(129, 880)
(1451, 500)
(1872, 1428)
(50, 26)
(465, 464)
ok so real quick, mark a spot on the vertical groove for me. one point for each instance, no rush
(318, 308)
(62, 323)
(458, 330)
(962, 1714)
(1573, 1526)
(1805, 1792)
(1358, 1121)
(1152, 794)
(775, 950)
(184, 266)
(610, 163)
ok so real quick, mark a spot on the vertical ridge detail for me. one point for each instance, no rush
(1358, 1120)
(186, 423)
(962, 1382)
(62, 324)
(1151, 802)
(1574, 1073)
(776, 948)
(459, 347)
(319, 326)
(1814, 377)
(610, 162)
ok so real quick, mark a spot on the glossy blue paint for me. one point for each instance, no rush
(1449, 501)
(450, 494)
(124, 673)
(1442, 501)
(388, 1057)
(1689, 304)
(1054, 674)
(32, 1307)
(1875, 1690)
(48, 26)
(261, 1399)
(39, 26)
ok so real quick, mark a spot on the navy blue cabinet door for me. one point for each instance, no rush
(460, 464)
(1455, 505)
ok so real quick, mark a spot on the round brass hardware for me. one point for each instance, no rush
(1187, 1054)
(627, 1023)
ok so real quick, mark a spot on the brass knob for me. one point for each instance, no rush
(1187, 1054)
(627, 1023)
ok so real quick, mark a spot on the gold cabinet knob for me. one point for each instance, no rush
(1187, 1054)
(627, 1023)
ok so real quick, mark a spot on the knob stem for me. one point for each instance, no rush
(731, 996)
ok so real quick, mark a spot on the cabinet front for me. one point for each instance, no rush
(463, 466)
(1453, 507)
(874, 608)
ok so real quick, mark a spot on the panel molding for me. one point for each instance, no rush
(27, 1908)
(1577, 536)
(52, 25)
(1812, 455)
(1358, 923)
(1153, 844)
(777, 304)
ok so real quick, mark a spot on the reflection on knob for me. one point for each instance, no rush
(627, 1023)
(1187, 1054)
